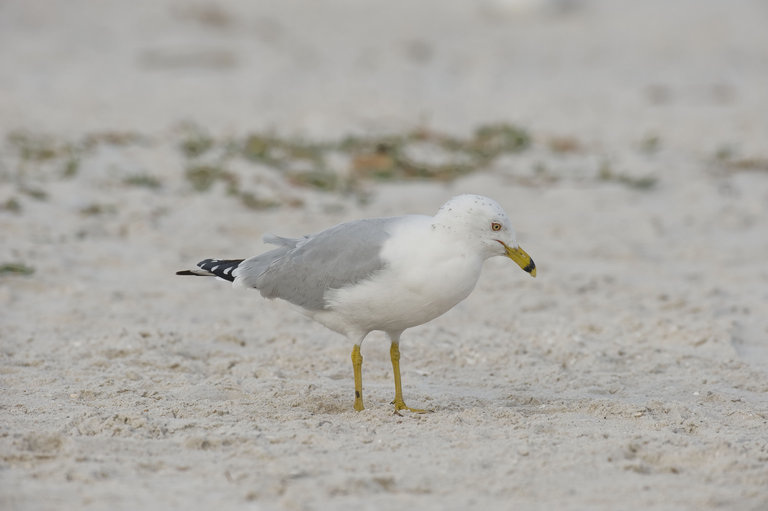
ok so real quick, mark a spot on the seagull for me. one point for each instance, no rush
(385, 274)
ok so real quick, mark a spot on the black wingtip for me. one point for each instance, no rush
(221, 268)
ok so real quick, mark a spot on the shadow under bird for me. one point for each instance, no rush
(386, 274)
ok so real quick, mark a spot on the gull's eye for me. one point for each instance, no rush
(495, 226)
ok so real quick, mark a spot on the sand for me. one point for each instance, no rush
(632, 373)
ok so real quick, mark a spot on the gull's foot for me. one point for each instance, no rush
(400, 405)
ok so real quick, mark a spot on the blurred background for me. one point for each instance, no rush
(690, 72)
(343, 96)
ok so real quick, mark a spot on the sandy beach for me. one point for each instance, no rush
(628, 141)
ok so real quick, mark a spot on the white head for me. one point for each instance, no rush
(482, 220)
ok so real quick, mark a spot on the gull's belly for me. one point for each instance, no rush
(395, 300)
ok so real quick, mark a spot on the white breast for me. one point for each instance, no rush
(427, 273)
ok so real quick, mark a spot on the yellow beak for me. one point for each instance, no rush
(519, 256)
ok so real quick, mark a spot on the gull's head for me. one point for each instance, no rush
(482, 222)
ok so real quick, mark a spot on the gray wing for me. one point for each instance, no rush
(302, 270)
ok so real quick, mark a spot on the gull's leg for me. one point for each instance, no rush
(357, 365)
(394, 353)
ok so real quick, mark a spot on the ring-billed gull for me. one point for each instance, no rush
(384, 274)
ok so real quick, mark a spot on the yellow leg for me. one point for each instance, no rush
(394, 353)
(357, 365)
